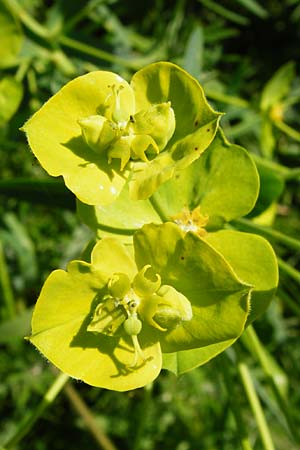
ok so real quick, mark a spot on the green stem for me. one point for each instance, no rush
(83, 410)
(158, 208)
(34, 26)
(114, 230)
(50, 191)
(28, 422)
(224, 12)
(291, 101)
(274, 166)
(6, 288)
(294, 134)
(252, 342)
(143, 412)
(96, 52)
(289, 270)
(63, 62)
(285, 297)
(80, 15)
(256, 406)
(22, 69)
(32, 82)
(286, 172)
(252, 227)
(227, 99)
(235, 406)
(293, 174)
(273, 373)
(133, 63)
(241, 128)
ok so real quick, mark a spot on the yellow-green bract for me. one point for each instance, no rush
(98, 131)
(109, 322)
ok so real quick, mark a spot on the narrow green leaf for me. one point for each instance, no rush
(43, 191)
(225, 12)
(193, 54)
(255, 7)
(11, 93)
(267, 138)
(19, 239)
(11, 37)
(278, 86)
(15, 329)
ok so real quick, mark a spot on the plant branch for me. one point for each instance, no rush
(289, 270)
(6, 288)
(294, 134)
(274, 166)
(34, 26)
(273, 373)
(227, 99)
(292, 304)
(158, 208)
(256, 406)
(235, 406)
(282, 238)
(293, 174)
(83, 410)
(29, 420)
(133, 64)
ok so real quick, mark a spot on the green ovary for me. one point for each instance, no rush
(127, 305)
(138, 137)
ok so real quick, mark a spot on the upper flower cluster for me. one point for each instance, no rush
(156, 126)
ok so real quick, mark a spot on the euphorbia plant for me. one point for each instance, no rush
(168, 284)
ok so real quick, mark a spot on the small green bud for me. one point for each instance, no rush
(119, 285)
(98, 132)
(158, 122)
(166, 309)
(167, 317)
(132, 325)
(174, 305)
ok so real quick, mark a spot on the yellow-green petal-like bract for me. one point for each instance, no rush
(61, 331)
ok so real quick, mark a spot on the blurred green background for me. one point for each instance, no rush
(246, 55)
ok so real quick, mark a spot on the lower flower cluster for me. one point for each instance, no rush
(111, 322)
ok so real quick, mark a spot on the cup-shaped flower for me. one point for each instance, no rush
(107, 322)
(98, 131)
